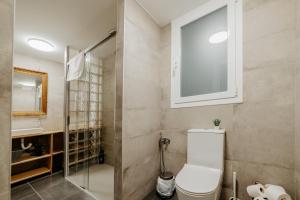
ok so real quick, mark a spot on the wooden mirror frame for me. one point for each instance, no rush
(44, 77)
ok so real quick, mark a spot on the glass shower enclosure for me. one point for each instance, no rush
(83, 117)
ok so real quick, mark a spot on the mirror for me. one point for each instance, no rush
(29, 92)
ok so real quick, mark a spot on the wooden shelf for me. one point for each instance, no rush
(29, 174)
(30, 159)
(57, 152)
(20, 134)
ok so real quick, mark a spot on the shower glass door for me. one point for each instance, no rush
(84, 124)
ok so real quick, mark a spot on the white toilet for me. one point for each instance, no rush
(201, 177)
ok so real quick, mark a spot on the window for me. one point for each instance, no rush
(207, 55)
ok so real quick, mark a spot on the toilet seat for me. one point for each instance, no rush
(198, 181)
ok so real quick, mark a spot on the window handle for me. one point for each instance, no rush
(175, 68)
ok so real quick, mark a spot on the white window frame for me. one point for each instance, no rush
(234, 94)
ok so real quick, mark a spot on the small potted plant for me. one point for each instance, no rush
(217, 123)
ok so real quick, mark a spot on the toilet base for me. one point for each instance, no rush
(209, 196)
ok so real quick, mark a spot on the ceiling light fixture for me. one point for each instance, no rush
(218, 37)
(40, 44)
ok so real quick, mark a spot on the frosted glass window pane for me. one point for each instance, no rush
(204, 55)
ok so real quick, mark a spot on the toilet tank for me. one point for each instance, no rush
(205, 147)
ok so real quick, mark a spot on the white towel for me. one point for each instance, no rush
(76, 67)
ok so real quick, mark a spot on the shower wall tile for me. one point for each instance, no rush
(118, 155)
(297, 108)
(141, 111)
(108, 107)
(6, 50)
(260, 133)
(143, 121)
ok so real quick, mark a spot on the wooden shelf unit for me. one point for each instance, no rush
(29, 166)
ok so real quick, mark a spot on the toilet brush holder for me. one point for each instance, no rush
(234, 197)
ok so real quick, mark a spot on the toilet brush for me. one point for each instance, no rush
(234, 187)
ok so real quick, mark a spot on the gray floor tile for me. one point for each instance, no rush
(22, 192)
(48, 181)
(80, 195)
(31, 197)
(153, 196)
(57, 191)
(53, 187)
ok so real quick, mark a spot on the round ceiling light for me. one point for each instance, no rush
(218, 37)
(40, 44)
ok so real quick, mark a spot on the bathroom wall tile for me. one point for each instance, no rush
(140, 66)
(139, 147)
(193, 119)
(108, 107)
(226, 193)
(257, 117)
(270, 49)
(175, 161)
(138, 175)
(178, 141)
(277, 15)
(260, 140)
(118, 173)
(108, 134)
(143, 95)
(297, 108)
(145, 123)
(6, 49)
(165, 39)
(263, 147)
(270, 83)
(142, 20)
(297, 184)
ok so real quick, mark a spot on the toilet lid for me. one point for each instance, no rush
(198, 179)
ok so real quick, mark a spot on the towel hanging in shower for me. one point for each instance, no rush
(76, 67)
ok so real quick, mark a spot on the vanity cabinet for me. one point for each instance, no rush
(46, 155)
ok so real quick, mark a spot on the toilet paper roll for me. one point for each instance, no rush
(256, 190)
(275, 192)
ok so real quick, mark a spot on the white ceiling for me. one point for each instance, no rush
(164, 11)
(78, 23)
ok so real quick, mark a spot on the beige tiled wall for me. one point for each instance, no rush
(260, 131)
(141, 102)
(6, 49)
(297, 106)
(109, 85)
